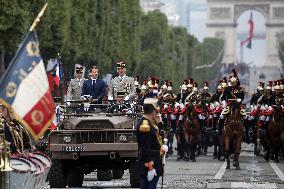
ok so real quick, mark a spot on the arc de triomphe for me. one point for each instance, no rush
(222, 16)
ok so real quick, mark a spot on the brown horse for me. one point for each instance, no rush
(191, 132)
(275, 134)
(233, 134)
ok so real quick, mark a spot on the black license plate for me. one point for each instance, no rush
(73, 148)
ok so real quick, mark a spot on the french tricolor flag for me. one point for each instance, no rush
(58, 75)
(24, 88)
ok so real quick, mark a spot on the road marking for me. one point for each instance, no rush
(221, 171)
(243, 185)
(277, 171)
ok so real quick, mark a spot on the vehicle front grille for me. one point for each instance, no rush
(95, 125)
(96, 137)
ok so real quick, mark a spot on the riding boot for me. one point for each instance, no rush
(180, 152)
(187, 151)
(192, 152)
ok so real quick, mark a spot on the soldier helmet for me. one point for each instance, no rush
(224, 82)
(282, 84)
(195, 85)
(184, 85)
(277, 85)
(165, 85)
(233, 77)
(190, 83)
(260, 86)
(269, 85)
(170, 87)
(205, 85)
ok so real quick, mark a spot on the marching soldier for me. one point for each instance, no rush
(150, 145)
(120, 106)
(75, 85)
(122, 83)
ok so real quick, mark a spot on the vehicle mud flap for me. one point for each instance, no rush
(134, 174)
(117, 173)
(104, 175)
(57, 175)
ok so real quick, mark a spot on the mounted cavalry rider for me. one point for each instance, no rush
(232, 96)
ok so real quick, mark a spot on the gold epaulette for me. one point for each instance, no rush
(144, 127)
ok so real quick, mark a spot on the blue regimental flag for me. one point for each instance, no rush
(25, 89)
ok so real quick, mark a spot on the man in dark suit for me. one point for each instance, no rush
(94, 87)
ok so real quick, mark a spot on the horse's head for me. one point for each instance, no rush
(191, 111)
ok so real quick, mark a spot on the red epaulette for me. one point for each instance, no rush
(197, 109)
(254, 112)
(182, 111)
(217, 110)
(176, 111)
(164, 111)
(170, 110)
(268, 112)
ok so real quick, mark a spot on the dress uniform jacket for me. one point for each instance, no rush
(216, 97)
(121, 84)
(254, 98)
(119, 108)
(75, 89)
(149, 145)
(233, 93)
(95, 88)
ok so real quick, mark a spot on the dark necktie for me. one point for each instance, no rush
(121, 78)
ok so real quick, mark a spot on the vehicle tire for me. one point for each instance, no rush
(57, 176)
(134, 175)
(104, 174)
(117, 173)
(75, 178)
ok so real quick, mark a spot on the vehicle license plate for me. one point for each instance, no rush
(73, 148)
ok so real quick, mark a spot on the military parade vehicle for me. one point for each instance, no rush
(92, 140)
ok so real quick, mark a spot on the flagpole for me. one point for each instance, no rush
(37, 19)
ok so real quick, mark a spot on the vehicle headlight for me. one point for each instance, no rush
(67, 139)
(122, 138)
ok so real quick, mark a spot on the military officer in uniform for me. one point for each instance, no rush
(75, 85)
(122, 83)
(150, 145)
(120, 106)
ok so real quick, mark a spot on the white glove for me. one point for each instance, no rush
(86, 105)
(110, 98)
(126, 97)
(164, 148)
(262, 108)
(68, 103)
(177, 104)
(151, 174)
(239, 100)
(165, 106)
